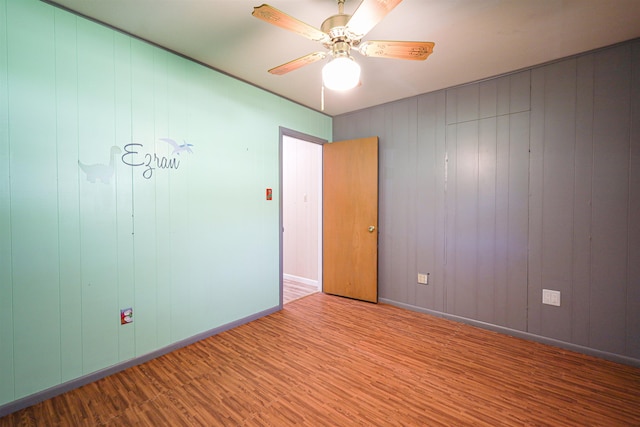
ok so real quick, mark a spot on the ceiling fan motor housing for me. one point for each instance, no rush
(342, 33)
(336, 27)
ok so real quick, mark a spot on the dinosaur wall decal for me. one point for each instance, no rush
(178, 148)
(99, 171)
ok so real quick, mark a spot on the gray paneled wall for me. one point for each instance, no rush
(581, 184)
(486, 168)
(520, 183)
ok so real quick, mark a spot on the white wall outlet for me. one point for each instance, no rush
(550, 297)
(423, 279)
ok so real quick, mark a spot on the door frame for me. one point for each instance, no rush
(307, 138)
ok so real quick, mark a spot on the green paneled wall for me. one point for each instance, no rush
(190, 247)
(6, 288)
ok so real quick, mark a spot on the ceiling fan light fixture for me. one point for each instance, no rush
(341, 73)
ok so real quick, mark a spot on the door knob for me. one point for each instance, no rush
(371, 228)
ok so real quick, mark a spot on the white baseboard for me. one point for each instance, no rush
(302, 280)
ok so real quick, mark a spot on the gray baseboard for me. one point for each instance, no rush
(520, 334)
(38, 397)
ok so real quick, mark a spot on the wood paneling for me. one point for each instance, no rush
(487, 148)
(633, 292)
(487, 162)
(610, 199)
(517, 223)
(464, 239)
(33, 207)
(531, 186)
(325, 360)
(552, 188)
(124, 196)
(430, 175)
(7, 377)
(400, 148)
(583, 170)
(501, 287)
(173, 246)
(580, 196)
(68, 200)
(97, 203)
(486, 243)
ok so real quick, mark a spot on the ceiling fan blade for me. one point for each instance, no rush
(418, 51)
(367, 15)
(298, 63)
(274, 16)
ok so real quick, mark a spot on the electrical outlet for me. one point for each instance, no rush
(550, 297)
(423, 279)
(126, 316)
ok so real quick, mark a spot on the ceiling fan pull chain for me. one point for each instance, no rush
(322, 97)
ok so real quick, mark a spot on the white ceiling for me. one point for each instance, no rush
(474, 39)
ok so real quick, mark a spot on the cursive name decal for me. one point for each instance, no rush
(152, 161)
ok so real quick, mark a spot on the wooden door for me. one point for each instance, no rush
(350, 219)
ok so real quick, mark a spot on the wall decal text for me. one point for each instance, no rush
(152, 161)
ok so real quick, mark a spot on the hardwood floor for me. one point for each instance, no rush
(292, 290)
(330, 361)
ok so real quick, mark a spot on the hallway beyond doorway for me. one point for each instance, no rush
(292, 290)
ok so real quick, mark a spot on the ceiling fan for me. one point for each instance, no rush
(341, 34)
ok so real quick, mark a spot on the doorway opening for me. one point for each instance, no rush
(300, 215)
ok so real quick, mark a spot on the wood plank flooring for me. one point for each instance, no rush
(292, 290)
(329, 361)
